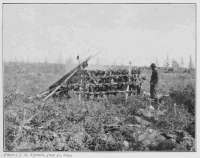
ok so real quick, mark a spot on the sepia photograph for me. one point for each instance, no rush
(99, 77)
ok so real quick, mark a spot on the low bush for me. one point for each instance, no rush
(184, 96)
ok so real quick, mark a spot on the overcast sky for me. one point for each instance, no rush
(121, 32)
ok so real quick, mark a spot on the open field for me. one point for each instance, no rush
(112, 125)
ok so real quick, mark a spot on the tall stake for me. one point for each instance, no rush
(129, 80)
(81, 88)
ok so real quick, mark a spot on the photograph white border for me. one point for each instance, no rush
(108, 154)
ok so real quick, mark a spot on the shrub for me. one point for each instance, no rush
(184, 96)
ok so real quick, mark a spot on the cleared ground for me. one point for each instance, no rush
(113, 125)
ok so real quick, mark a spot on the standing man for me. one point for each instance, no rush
(154, 82)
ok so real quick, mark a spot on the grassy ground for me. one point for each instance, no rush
(112, 125)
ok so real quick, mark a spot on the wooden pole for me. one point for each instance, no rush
(175, 112)
(81, 89)
(129, 79)
(58, 87)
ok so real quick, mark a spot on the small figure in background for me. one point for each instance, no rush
(154, 82)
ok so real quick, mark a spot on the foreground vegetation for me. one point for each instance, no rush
(95, 125)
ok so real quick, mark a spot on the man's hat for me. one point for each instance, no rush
(153, 65)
